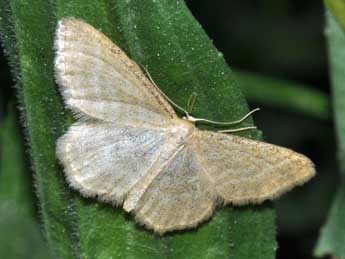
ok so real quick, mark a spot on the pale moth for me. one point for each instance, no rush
(129, 148)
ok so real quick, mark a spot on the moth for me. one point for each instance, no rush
(129, 148)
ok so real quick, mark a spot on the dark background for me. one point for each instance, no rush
(284, 39)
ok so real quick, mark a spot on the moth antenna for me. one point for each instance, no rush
(237, 130)
(230, 122)
(162, 93)
(191, 101)
(190, 104)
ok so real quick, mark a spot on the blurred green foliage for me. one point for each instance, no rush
(332, 238)
(284, 95)
(20, 236)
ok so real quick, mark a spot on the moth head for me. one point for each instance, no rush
(189, 118)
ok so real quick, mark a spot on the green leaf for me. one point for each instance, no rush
(163, 36)
(332, 238)
(284, 94)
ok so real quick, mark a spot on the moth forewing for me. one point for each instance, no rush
(248, 171)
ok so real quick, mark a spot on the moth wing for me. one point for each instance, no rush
(107, 161)
(97, 78)
(177, 198)
(245, 171)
